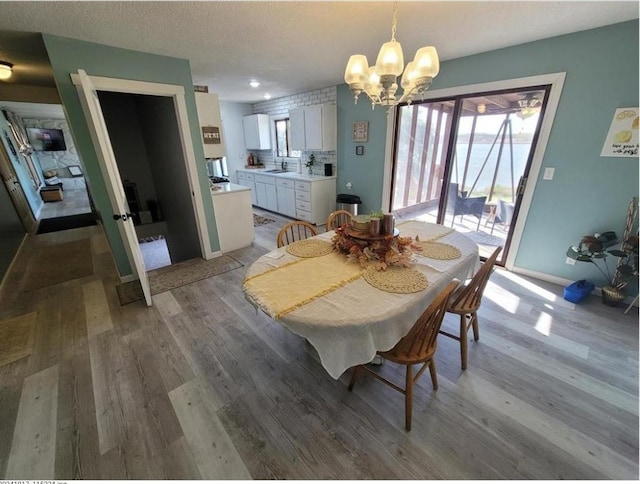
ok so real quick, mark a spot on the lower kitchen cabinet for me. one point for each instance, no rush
(266, 196)
(248, 180)
(286, 197)
(305, 197)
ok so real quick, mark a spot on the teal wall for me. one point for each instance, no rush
(588, 193)
(365, 172)
(69, 55)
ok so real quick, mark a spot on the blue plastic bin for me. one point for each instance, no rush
(577, 291)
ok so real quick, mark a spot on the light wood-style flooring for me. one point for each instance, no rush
(201, 386)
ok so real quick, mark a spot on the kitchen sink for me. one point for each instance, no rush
(277, 170)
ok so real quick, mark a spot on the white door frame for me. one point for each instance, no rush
(175, 92)
(556, 80)
(108, 165)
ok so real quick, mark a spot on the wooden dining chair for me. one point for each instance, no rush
(466, 302)
(294, 231)
(417, 346)
(337, 219)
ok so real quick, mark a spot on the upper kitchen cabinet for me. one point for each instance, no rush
(210, 124)
(256, 132)
(314, 128)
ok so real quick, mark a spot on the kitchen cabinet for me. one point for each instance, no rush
(286, 197)
(266, 196)
(234, 216)
(210, 124)
(305, 197)
(248, 180)
(257, 132)
(314, 128)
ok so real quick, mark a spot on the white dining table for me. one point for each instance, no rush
(348, 324)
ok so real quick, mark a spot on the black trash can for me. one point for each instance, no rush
(348, 202)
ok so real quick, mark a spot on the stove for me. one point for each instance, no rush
(218, 179)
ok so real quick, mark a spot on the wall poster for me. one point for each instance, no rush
(622, 139)
(360, 131)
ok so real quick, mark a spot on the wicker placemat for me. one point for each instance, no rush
(438, 250)
(309, 248)
(401, 280)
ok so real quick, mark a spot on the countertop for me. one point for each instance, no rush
(224, 188)
(289, 174)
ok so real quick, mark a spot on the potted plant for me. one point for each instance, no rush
(310, 162)
(595, 249)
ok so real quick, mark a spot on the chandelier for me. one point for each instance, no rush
(379, 82)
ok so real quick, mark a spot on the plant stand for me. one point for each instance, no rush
(632, 303)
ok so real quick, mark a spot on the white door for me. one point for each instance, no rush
(16, 193)
(104, 150)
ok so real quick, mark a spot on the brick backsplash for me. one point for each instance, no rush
(282, 105)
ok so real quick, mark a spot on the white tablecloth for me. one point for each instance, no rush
(348, 325)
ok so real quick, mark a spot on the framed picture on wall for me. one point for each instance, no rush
(360, 131)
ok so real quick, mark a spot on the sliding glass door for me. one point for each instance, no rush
(464, 161)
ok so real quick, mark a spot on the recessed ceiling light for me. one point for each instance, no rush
(254, 83)
(5, 69)
(267, 96)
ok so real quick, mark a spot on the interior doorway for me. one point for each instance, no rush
(145, 139)
(463, 161)
(42, 155)
(185, 161)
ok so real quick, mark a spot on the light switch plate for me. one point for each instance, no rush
(548, 173)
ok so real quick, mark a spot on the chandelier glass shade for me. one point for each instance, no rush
(380, 82)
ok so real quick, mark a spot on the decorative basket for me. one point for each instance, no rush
(612, 296)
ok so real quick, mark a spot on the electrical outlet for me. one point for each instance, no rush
(548, 173)
(570, 261)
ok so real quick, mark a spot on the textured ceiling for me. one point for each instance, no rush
(296, 46)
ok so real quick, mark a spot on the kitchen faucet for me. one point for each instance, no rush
(283, 164)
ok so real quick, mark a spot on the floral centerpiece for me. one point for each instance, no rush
(379, 253)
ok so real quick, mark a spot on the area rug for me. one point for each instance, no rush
(260, 220)
(485, 239)
(56, 224)
(58, 263)
(177, 275)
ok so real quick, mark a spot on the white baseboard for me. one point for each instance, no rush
(562, 282)
(542, 276)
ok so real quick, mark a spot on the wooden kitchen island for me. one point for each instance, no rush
(234, 215)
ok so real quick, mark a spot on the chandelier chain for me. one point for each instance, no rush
(395, 21)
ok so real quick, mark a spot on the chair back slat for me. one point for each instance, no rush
(470, 296)
(337, 219)
(420, 342)
(294, 231)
